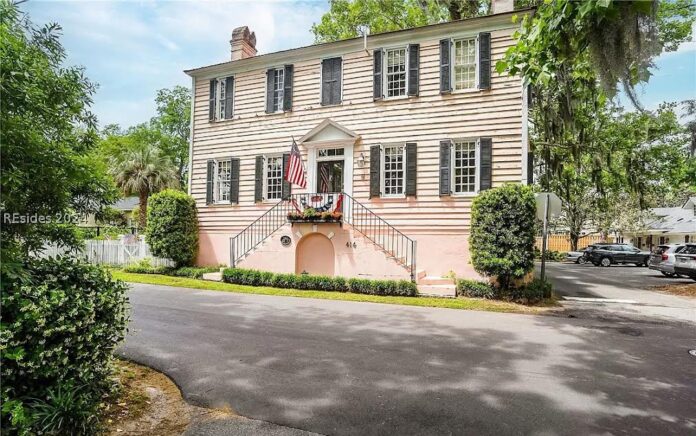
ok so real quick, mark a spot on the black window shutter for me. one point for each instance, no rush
(411, 168)
(211, 101)
(445, 167)
(234, 180)
(269, 90)
(331, 81)
(287, 88)
(375, 171)
(377, 92)
(209, 182)
(484, 41)
(530, 168)
(337, 76)
(229, 98)
(445, 69)
(413, 68)
(326, 79)
(286, 188)
(258, 179)
(486, 159)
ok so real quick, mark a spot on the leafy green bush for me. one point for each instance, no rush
(502, 233)
(320, 283)
(144, 266)
(66, 410)
(532, 293)
(61, 323)
(172, 227)
(476, 289)
(551, 255)
(193, 272)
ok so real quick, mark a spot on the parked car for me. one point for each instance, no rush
(576, 257)
(662, 258)
(685, 261)
(612, 254)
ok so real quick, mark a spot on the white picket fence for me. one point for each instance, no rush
(109, 252)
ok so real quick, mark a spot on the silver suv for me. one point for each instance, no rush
(662, 258)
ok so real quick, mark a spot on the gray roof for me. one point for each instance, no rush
(674, 219)
(128, 203)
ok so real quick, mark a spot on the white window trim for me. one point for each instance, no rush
(280, 110)
(222, 81)
(477, 160)
(382, 170)
(384, 72)
(265, 178)
(348, 161)
(216, 181)
(321, 83)
(475, 88)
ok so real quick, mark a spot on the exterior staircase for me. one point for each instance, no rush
(364, 221)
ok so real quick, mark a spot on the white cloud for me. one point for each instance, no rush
(133, 48)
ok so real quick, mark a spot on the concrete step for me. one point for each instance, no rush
(213, 276)
(435, 280)
(438, 290)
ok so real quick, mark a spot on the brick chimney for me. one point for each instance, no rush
(502, 6)
(243, 43)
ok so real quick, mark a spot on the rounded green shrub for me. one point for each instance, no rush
(61, 324)
(502, 233)
(172, 227)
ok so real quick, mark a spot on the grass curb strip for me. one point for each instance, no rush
(450, 303)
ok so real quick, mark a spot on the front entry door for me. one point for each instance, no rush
(330, 176)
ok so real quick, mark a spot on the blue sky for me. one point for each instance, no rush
(133, 48)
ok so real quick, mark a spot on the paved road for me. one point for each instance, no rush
(343, 368)
(633, 286)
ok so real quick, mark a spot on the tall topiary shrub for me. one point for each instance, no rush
(502, 233)
(172, 227)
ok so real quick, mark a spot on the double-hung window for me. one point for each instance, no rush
(393, 170)
(221, 98)
(395, 67)
(223, 174)
(464, 63)
(464, 159)
(278, 89)
(273, 177)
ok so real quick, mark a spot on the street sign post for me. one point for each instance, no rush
(548, 205)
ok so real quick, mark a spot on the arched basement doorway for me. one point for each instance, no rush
(315, 255)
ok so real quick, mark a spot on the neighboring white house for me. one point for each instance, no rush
(671, 225)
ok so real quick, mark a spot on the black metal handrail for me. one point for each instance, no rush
(360, 217)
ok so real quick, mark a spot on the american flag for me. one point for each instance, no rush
(296, 173)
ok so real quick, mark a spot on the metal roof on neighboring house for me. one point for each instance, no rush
(681, 220)
(128, 203)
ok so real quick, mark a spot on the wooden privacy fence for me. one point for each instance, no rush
(561, 242)
(114, 253)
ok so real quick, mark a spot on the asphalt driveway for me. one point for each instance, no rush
(619, 290)
(337, 367)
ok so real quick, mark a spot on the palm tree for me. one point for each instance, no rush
(143, 171)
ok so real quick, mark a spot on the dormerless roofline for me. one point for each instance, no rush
(469, 25)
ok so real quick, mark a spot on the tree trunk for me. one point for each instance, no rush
(143, 210)
(574, 238)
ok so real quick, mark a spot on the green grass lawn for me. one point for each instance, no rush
(450, 303)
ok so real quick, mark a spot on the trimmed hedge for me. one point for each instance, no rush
(475, 289)
(144, 267)
(502, 238)
(252, 277)
(533, 292)
(172, 227)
